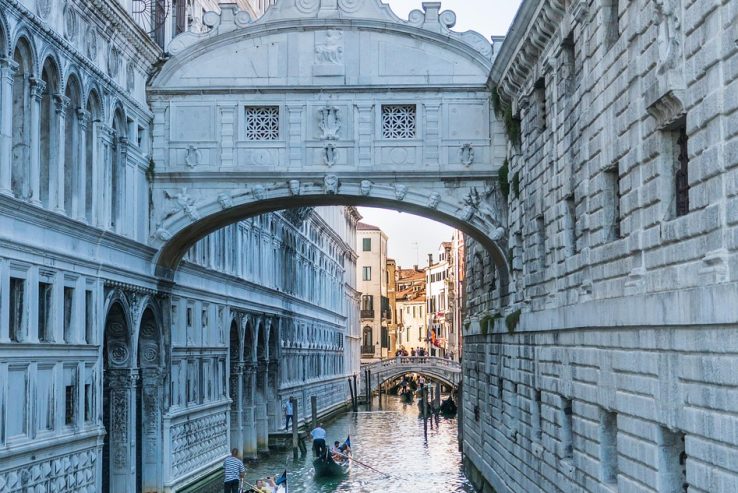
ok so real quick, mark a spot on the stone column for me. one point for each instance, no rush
(122, 222)
(101, 175)
(56, 194)
(152, 380)
(121, 431)
(37, 91)
(79, 201)
(250, 448)
(236, 395)
(274, 409)
(8, 68)
(262, 419)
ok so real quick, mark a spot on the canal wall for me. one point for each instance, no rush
(607, 360)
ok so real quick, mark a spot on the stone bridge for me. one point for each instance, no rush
(325, 102)
(447, 371)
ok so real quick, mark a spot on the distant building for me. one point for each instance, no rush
(392, 298)
(444, 303)
(410, 308)
(372, 284)
(457, 297)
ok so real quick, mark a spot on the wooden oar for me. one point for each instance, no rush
(365, 465)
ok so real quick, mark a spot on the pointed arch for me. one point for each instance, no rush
(116, 169)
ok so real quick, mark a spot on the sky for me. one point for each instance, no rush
(488, 17)
(412, 238)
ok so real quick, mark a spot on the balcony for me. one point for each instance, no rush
(367, 314)
(367, 350)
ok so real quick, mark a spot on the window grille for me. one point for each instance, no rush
(262, 122)
(682, 174)
(398, 121)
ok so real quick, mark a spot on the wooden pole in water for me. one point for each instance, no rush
(351, 391)
(438, 394)
(314, 409)
(356, 396)
(369, 388)
(295, 417)
(424, 396)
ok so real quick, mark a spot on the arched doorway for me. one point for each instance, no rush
(119, 385)
(149, 400)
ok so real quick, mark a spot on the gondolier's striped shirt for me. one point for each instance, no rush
(233, 468)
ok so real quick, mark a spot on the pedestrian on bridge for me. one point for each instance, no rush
(287, 414)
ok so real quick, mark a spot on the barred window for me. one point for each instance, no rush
(398, 121)
(262, 122)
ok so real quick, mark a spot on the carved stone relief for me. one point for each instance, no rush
(330, 123)
(330, 50)
(185, 204)
(434, 200)
(259, 192)
(294, 187)
(400, 192)
(71, 22)
(669, 33)
(193, 157)
(43, 8)
(466, 154)
(366, 187)
(330, 184)
(113, 61)
(90, 42)
(329, 154)
(130, 77)
(225, 200)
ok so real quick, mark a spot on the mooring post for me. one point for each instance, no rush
(438, 394)
(314, 409)
(351, 391)
(424, 396)
(295, 418)
(356, 395)
(369, 388)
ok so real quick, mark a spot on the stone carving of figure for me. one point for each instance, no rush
(185, 202)
(259, 192)
(90, 42)
(294, 186)
(331, 50)
(669, 33)
(366, 187)
(434, 200)
(330, 123)
(225, 200)
(329, 154)
(400, 192)
(330, 183)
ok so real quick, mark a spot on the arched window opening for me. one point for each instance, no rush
(91, 146)
(72, 148)
(117, 185)
(48, 122)
(21, 147)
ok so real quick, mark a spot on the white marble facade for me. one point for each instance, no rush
(110, 380)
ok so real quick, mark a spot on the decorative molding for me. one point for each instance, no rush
(667, 107)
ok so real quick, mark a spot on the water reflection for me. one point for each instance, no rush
(390, 440)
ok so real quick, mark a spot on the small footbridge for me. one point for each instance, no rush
(431, 367)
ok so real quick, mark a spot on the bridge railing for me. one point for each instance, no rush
(414, 362)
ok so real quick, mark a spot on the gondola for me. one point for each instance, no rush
(407, 397)
(326, 467)
(448, 407)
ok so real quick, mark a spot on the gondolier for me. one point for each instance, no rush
(318, 435)
(234, 472)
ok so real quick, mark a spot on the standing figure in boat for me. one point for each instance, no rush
(319, 447)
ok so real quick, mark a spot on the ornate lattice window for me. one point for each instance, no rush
(398, 121)
(262, 122)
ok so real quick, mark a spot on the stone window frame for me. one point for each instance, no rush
(22, 272)
(271, 132)
(381, 129)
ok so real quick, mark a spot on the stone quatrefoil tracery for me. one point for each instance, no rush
(262, 122)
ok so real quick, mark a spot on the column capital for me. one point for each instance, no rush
(38, 88)
(122, 378)
(8, 67)
(83, 116)
(61, 102)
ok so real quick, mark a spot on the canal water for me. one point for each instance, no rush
(390, 440)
